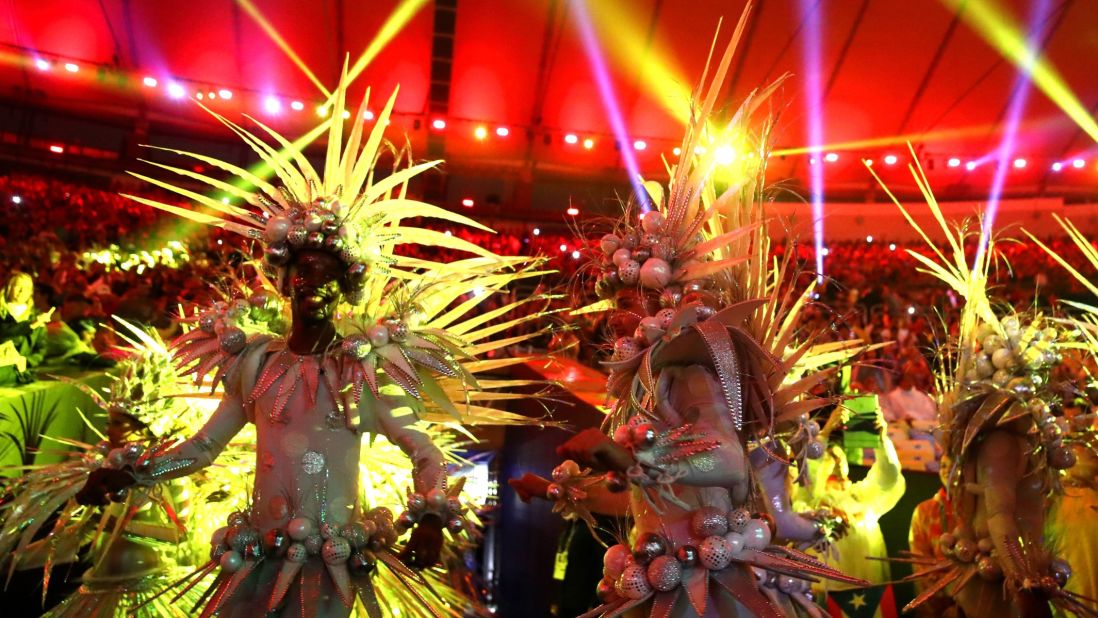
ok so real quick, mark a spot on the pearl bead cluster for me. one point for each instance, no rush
(355, 543)
(1019, 363)
(317, 226)
(435, 502)
(225, 320)
(654, 565)
(390, 330)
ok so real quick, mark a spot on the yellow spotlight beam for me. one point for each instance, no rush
(269, 29)
(402, 14)
(890, 140)
(992, 22)
(618, 24)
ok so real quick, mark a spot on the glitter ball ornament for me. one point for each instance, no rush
(965, 550)
(300, 528)
(814, 449)
(648, 546)
(621, 256)
(231, 561)
(626, 348)
(687, 555)
(297, 553)
(614, 561)
(356, 346)
(735, 542)
(652, 222)
(629, 272)
(714, 553)
(737, 519)
(756, 534)
(336, 550)
(378, 335)
(297, 235)
(988, 569)
(664, 318)
(708, 521)
(655, 274)
(233, 340)
(278, 228)
(609, 244)
(665, 573)
(634, 582)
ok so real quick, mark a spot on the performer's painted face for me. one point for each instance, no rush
(314, 279)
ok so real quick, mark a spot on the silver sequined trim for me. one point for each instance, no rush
(312, 462)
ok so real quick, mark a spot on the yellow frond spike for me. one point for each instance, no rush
(332, 158)
(350, 151)
(198, 197)
(231, 189)
(308, 173)
(363, 166)
(267, 188)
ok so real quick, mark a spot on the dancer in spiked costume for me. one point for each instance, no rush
(376, 344)
(124, 543)
(705, 347)
(1005, 438)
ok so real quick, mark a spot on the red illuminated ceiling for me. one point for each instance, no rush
(521, 64)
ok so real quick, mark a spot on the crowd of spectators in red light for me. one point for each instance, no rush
(872, 292)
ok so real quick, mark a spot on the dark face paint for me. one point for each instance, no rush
(314, 285)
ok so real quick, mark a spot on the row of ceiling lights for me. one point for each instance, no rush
(274, 105)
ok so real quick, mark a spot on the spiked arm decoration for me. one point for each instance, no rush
(997, 378)
(147, 389)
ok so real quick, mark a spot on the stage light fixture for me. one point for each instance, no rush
(891, 246)
(225, 93)
(572, 211)
(812, 160)
(297, 106)
(563, 247)
(953, 162)
(869, 239)
(272, 105)
(42, 64)
(971, 165)
(368, 115)
(1057, 166)
(438, 124)
(480, 133)
(575, 255)
(724, 154)
(346, 114)
(868, 162)
(57, 149)
(676, 151)
(1078, 164)
(468, 202)
(1019, 163)
(322, 111)
(502, 131)
(15, 199)
(699, 150)
(831, 157)
(639, 144)
(212, 95)
(199, 96)
(571, 138)
(537, 231)
(891, 159)
(589, 143)
(72, 67)
(150, 81)
(176, 91)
